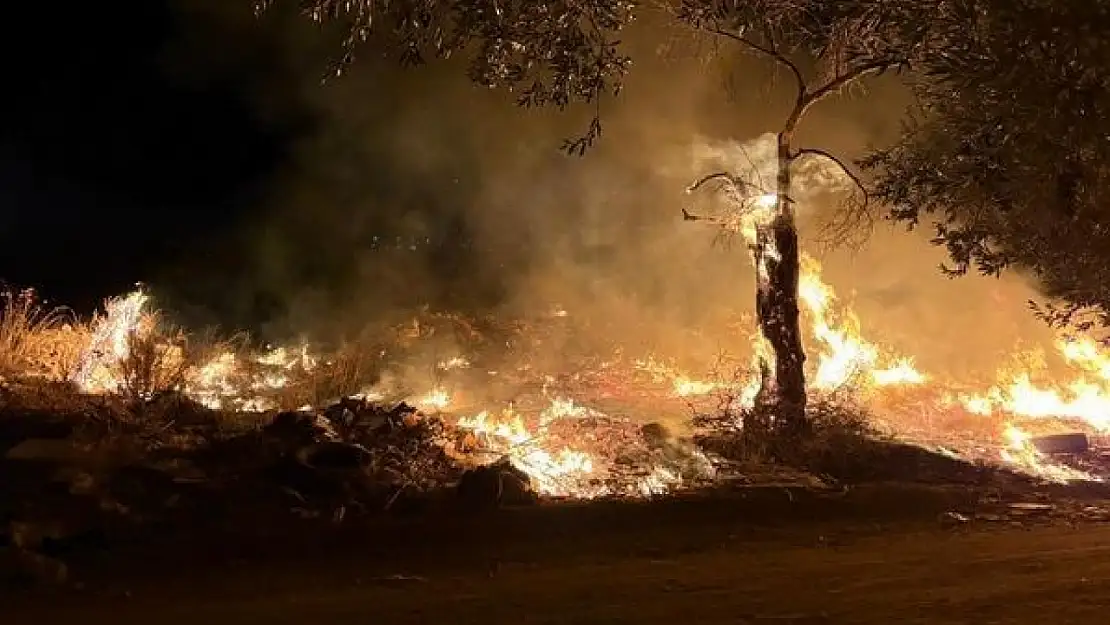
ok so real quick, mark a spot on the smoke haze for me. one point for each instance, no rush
(413, 186)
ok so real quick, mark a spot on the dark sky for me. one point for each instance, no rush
(113, 165)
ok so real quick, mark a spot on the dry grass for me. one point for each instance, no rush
(350, 369)
(840, 427)
(841, 445)
(37, 340)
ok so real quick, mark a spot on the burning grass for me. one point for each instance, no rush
(574, 433)
(158, 423)
(36, 340)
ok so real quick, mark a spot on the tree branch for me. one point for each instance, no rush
(853, 219)
(688, 216)
(771, 53)
(845, 79)
(723, 175)
(839, 163)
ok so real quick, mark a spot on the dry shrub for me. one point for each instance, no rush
(349, 370)
(36, 340)
(839, 433)
(163, 358)
(155, 362)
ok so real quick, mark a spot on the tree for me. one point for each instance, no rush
(566, 51)
(825, 47)
(1007, 153)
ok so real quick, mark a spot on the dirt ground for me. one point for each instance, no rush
(771, 557)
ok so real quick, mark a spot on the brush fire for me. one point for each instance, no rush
(572, 435)
(476, 392)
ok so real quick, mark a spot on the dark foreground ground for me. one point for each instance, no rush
(880, 555)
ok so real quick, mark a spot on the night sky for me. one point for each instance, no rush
(115, 163)
(188, 145)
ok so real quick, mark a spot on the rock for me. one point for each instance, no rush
(15, 430)
(357, 417)
(495, 485)
(1071, 443)
(142, 487)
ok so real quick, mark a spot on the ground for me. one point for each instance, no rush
(879, 554)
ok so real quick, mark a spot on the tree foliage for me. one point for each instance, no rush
(1007, 154)
(551, 53)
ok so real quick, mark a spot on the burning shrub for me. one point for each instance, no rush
(37, 341)
(155, 361)
(348, 370)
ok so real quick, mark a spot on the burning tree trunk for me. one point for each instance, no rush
(777, 262)
(844, 50)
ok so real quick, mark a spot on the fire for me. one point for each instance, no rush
(564, 465)
(1020, 452)
(110, 341)
(436, 400)
(555, 472)
(841, 358)
(843, 351)
(1086, 397)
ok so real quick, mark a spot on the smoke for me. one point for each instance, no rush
(413, 187)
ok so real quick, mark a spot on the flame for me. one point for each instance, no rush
(110, 342)
(436, 400)
(1021, 452)
(841, 357)
(843, 351)
(555, 472)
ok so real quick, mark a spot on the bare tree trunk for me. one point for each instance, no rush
(777, 302)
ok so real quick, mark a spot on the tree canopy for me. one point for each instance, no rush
(1007, 153)
(552, 53)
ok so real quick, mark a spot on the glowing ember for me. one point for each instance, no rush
(685, 387)
(458, 362)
